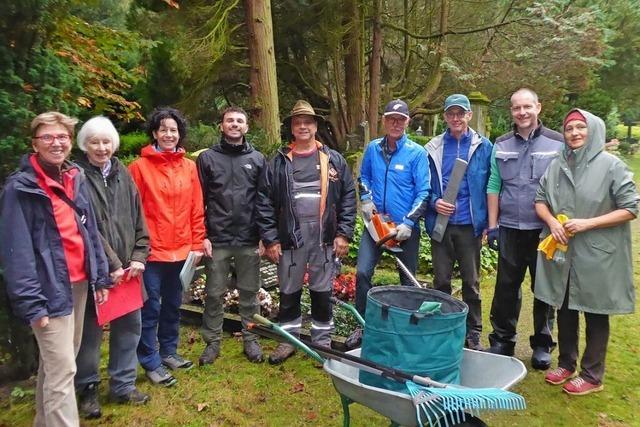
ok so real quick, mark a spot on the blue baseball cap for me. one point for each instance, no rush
(457, 100)
(397, 106)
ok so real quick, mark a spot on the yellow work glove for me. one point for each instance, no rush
(549, 245)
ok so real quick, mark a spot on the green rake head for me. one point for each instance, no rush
(441, 406)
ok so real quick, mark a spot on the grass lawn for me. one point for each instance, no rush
(234, 392)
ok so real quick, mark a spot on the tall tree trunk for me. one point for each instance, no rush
(441, 50)
(353, 65)
(374, 70)
(263, 79)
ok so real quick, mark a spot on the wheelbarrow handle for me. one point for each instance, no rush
(293, 340)
(375, 368)
(348, 307)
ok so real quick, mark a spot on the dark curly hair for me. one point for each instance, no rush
(162, 113)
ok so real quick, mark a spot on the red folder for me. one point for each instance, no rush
(124, 298)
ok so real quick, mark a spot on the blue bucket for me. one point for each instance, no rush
(397, 334)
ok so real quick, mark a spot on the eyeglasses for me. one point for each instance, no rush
(452, 115)
(395, 120)
(48, 138)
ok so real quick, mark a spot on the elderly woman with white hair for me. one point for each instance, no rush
(121, 223)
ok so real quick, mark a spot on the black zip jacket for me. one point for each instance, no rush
(276, 211)
(119, 213)
(229, 178)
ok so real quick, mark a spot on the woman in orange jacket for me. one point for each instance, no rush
(172, 200)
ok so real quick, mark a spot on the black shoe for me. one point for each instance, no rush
(209, 354)
(501, 348)
(88, 404)
(354, 340)
(282, 352)
(541, 358)
(472, 342)
(134, 397)
(253, 351)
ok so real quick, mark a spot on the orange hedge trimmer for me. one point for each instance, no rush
(383, 231)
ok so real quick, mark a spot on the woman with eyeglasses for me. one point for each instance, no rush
(172, 200)
(50, 254)
(596, 192)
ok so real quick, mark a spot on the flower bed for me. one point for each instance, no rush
(344, 288)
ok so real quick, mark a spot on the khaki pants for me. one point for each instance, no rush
(58, 343)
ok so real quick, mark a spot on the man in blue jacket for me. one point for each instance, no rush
(394, 180)
(462, 239)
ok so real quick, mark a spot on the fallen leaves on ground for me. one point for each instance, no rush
(297, 388)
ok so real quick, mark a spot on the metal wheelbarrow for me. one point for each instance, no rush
(478, 371)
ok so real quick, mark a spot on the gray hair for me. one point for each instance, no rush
(98, 126)
(527, 90)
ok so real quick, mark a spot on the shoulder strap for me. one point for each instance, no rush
(60, 193)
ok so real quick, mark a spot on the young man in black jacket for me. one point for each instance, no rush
(306, 213)
(229, 174)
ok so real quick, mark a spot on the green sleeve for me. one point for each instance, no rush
(495, 182)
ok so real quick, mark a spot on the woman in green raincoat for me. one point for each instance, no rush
(596, 191)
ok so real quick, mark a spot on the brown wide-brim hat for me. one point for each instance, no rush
(302, 108)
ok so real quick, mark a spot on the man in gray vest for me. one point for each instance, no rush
(519, 160)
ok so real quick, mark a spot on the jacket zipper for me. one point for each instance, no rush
(293, 217)
(386, 174)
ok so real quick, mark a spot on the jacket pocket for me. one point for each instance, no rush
(507, 164)
(600, 242)
(540, 162)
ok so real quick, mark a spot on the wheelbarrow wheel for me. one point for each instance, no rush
(471, 421)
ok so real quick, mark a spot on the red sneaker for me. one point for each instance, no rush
(559, 376)
(579, 386)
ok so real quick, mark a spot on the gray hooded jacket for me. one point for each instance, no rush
(598, 264)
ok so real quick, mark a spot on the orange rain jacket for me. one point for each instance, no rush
(172, 200)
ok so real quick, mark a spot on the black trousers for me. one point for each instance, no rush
(597, 338)
(518, 251)
(459, 244)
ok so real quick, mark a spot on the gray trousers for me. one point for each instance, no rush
(247, 267)
(124, 335)
(597, 338)
(317, 260)
(460, 244)
(58, 343)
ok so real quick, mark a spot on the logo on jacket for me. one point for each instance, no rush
(333, 174)
(247, 166)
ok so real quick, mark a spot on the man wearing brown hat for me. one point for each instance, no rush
(306, 212)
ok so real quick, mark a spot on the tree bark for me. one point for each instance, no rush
(353, 65)
(263, 79)
(374, 71)
(436, 76)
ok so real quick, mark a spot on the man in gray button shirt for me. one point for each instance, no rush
(518, 161)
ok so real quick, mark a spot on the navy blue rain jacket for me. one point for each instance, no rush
(31, 252)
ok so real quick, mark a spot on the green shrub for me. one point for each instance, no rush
(131, 144)
(628, 148)
(488, 257)
(419, 139)
(201, 136)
